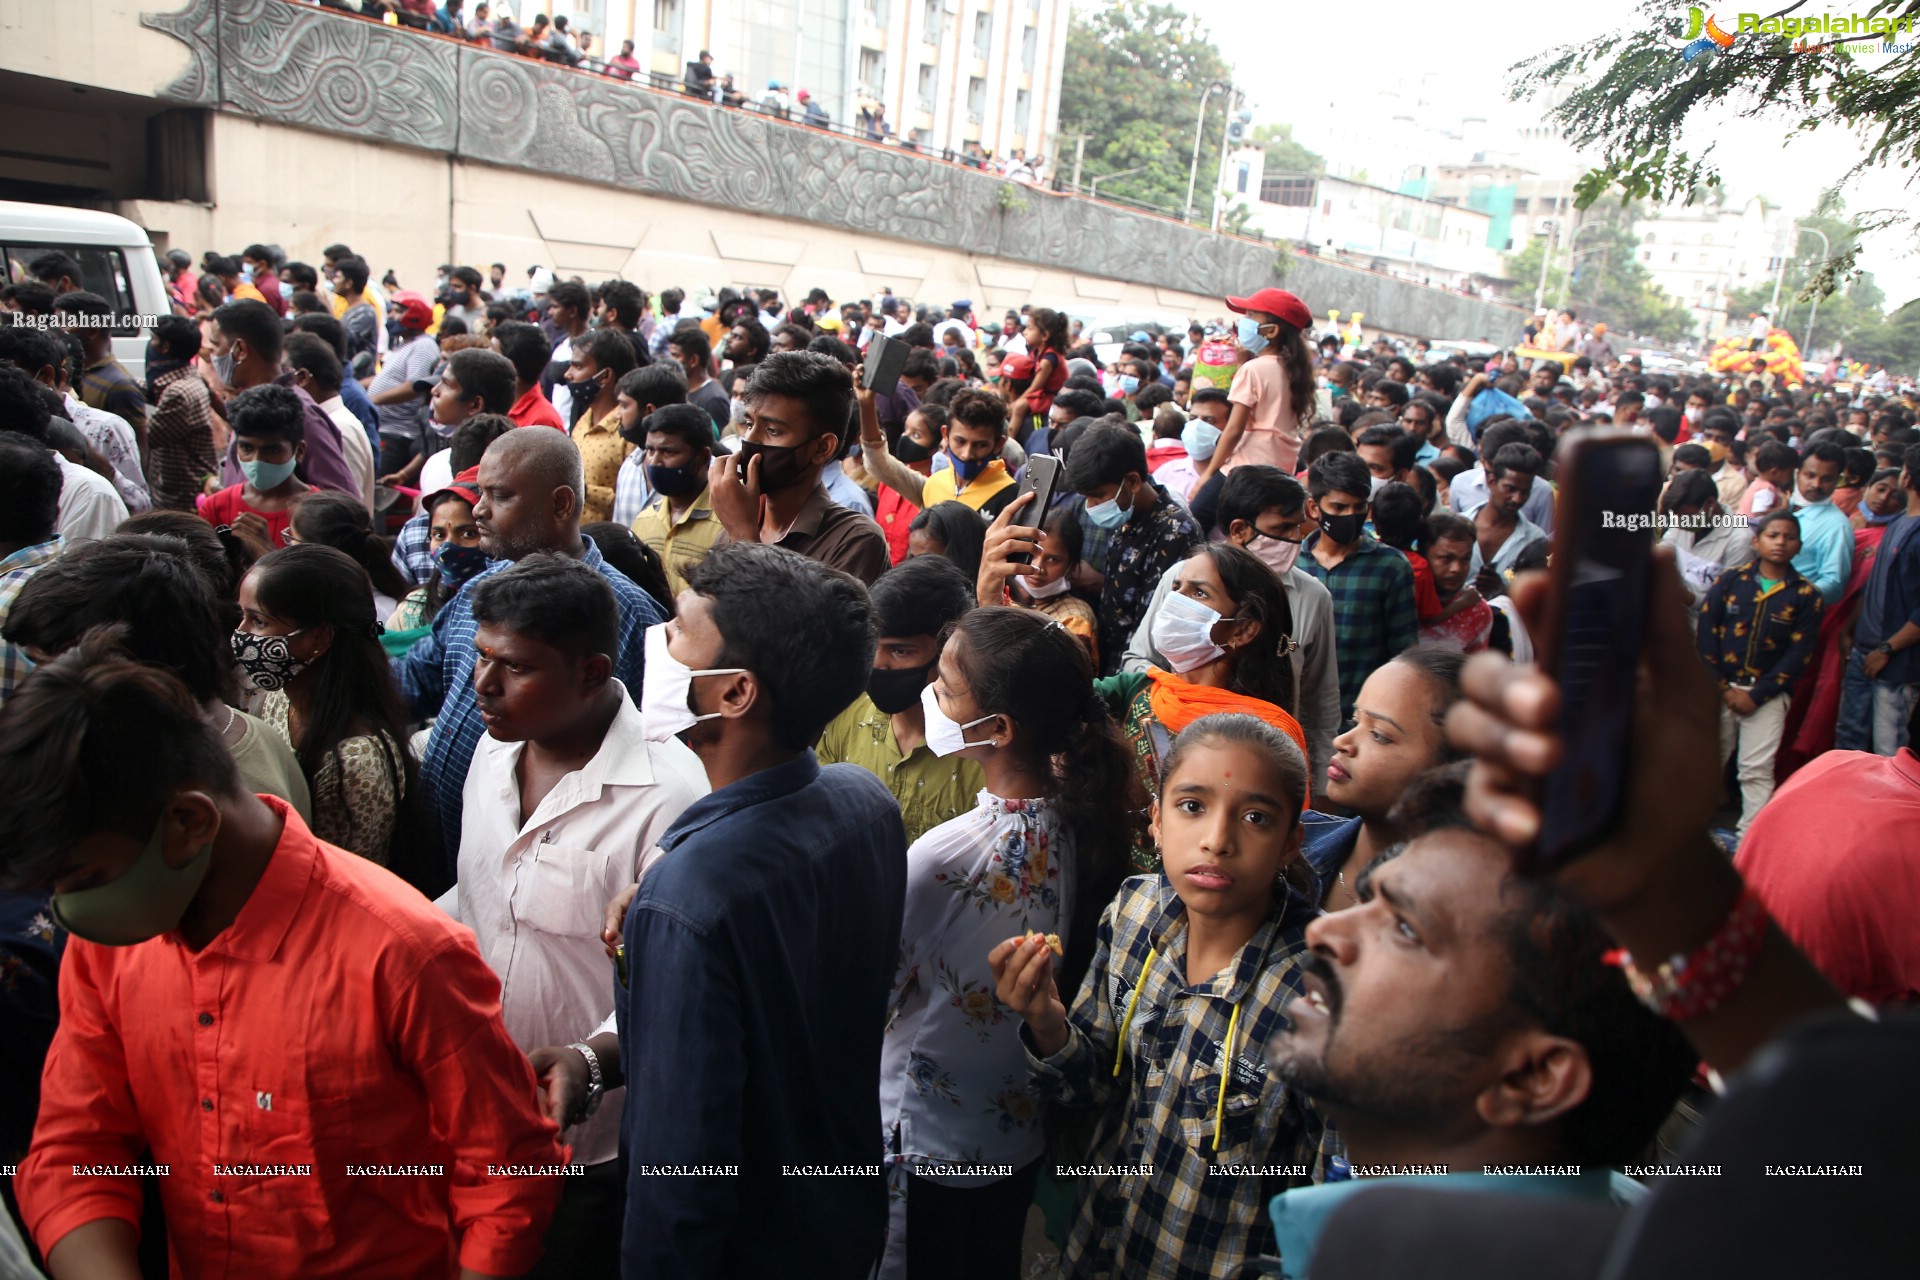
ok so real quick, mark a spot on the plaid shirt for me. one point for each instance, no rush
(1374, 617)
(14, 572)
(436, 678)
(413, 548)
(1190, 1218)
(1760, 632)
(180, 435)
(107, 385)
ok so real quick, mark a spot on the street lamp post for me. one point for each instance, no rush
(1199, 126)
(1826, 251)
(1566, 289)
(1546, 260)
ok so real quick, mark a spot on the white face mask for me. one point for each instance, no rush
(665, 709)
(1183, 633)
(1375, 484)
(1057, 587)
(944, 735)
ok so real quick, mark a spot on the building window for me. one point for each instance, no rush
(931, 23)
(929, 85)
(982, 35)
(1522, 205)
(1703, 259)
(1673, 257)
(1029, 48)
(1649, 238)
(1296, 193)
(665, 14)
(976, 99)
(1707, 238)
(1022, 107)
(873, 70)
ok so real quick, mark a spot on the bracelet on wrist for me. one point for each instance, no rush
(1690, 986)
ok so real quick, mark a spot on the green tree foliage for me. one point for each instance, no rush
(1135, 73)
(1606, 281)
(1855, 308)
(1894, 343)
(1628, 94)
(1284, 155)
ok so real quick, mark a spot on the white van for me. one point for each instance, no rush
(116, 261)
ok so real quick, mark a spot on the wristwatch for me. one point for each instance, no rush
(1885, 646)
(596, 1088)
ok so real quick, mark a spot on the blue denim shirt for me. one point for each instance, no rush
(761, 950)
(436, 679)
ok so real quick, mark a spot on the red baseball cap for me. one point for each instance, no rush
(414, 311)
(1017, 368)
(1277, 303)
(465, 485)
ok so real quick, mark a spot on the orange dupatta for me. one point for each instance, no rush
(1177, 703)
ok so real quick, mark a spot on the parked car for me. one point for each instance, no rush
(116, 261)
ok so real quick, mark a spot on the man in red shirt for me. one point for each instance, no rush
(528, 349)
(1847, 902)
(311, 1053)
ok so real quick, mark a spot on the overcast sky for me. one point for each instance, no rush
(1292, 66)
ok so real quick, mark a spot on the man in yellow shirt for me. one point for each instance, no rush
(678, 524)
(972, 440)
(884, 731)
(601, 357)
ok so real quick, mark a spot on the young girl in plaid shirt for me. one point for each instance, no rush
(1192, 969)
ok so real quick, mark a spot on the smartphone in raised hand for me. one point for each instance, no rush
(1041, 477)
(1595, 626)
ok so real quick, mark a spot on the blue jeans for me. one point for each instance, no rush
(1854, 730)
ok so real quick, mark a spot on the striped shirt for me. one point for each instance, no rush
(436, 678)
(1193, 1217)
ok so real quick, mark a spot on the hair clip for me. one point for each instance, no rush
(1287, 645)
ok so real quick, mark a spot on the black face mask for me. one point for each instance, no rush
(1344, 530)
(780, 465)
(894, 691)
(911, 451)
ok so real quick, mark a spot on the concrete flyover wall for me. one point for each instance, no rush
(305, 67)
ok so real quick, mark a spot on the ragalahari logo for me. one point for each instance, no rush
(1703, 35)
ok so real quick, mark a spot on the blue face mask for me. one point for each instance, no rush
(264, 476)
(1128, 384)
(1109, 514)
(1200, 436)
(968, 471)
(1248, 331)
(458, 563)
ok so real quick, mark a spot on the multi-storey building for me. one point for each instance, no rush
(946, 73)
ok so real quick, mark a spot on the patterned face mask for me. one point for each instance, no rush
(267, 661)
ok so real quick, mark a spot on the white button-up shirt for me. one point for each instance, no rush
(534, 890)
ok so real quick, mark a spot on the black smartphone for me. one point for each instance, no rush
(1041, 477)
(1596, 621)
(886, 357)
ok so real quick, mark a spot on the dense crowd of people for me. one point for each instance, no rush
(543, 779)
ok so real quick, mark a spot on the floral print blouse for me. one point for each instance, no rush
(953, 1074)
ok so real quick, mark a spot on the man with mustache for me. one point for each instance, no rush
(1462, 1019)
